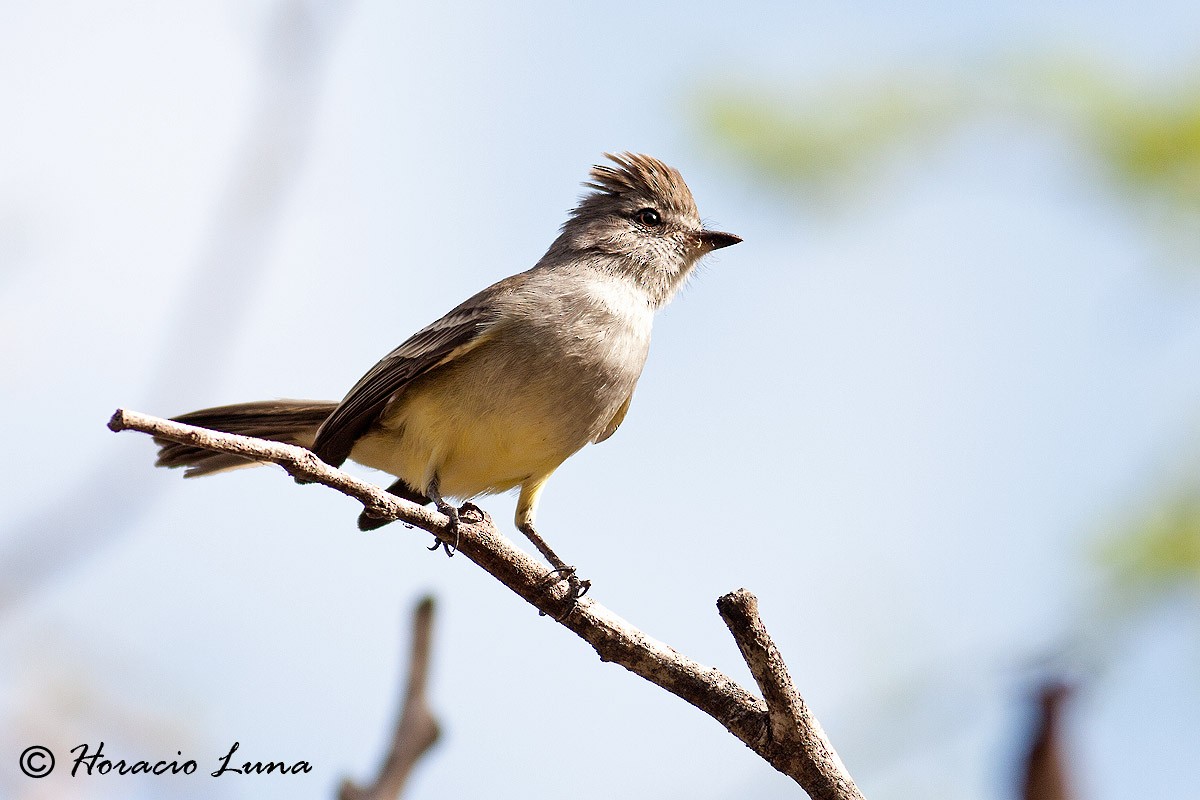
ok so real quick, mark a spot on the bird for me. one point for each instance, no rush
(496, 394)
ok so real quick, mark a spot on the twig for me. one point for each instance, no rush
(790, 725)
(416, 729)
(1045, 764)
(614, 639)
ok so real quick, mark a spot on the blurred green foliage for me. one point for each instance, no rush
(832, 138)
(826, 139)
(1160, 553)
(1145, 139)
(1155, 143)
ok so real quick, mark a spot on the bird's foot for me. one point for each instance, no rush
(576, 587)
(472, 513)
(453, 513)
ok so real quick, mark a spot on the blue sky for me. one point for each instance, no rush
(903, 425)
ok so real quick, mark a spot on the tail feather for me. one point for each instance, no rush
(287, 421)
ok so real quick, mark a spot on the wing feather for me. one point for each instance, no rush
(458, 332)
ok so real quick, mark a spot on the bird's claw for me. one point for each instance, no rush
(438, 543)
(455, 520)
(576, 587)
(473, 512)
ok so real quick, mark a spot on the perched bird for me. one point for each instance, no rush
(500, 391)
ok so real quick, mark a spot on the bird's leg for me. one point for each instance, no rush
(526, 506)
(577, 588)
(450, 511)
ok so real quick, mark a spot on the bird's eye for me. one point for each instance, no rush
(649, 217)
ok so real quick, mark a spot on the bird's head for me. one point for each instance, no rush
(638, 218)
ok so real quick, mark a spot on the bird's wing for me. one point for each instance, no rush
(458, 332)
(616, 421)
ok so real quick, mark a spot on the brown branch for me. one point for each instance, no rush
(1045, 765)
(613, 638)
(791, 727)
(416, 728)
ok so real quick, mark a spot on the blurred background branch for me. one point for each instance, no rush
(100, 501)
(1046, 769)
(416, 728)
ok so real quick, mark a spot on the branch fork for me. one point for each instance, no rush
(779, 728)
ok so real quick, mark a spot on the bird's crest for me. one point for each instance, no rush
(642, 176)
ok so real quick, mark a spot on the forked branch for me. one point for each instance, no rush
(780, 730)
(416, 729)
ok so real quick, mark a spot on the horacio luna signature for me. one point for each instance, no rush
(96, 764)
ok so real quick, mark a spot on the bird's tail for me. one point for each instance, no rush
(287, 421)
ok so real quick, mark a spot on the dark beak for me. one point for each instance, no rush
(715, 240)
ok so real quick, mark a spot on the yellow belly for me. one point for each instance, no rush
(474, 440)
(509, 411)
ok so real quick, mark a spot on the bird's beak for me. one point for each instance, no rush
(715, 240)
